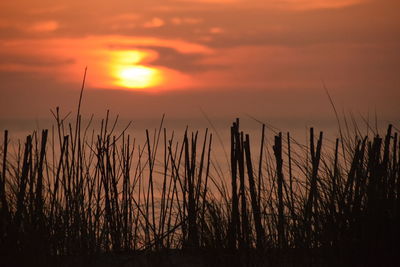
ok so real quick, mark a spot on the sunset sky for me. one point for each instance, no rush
(225, 57)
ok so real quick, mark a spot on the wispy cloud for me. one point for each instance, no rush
(65, 58)
(185, 20)
(285, 4)
(154, 23)
(44, 26)
(216, 30)
(43, 10)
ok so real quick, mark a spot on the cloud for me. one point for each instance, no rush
(280, 4)
(46, 10)
(33, 60)
(154, 23)
(124, 18)
(44, 26)
(216, 30)
(65, 58)
(118, 42)
(315, 4)
(185, 20)
(368, 23)
(170, 58)
(123, 21)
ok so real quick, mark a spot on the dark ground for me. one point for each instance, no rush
(217, 258)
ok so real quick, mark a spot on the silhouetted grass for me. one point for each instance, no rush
(71, 196)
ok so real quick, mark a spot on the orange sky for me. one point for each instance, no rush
(222, 56)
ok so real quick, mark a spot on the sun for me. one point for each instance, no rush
(128, 70)
(137, 77)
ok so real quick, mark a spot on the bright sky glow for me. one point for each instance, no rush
(136, 77)
(127, 70)
(256, 48)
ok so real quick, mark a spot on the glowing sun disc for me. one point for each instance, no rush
(137, 77)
